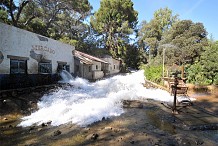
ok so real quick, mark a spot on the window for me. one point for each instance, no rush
(90, 68)
(67, 68)
(45, 67)
(114, 66)
(96, 67)
(63, 66)
(18, 66)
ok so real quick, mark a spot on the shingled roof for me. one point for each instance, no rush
(87, 59)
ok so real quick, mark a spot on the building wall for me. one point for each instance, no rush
(114, 65)
(89, 71)
(97, 72)
(18, 42)
(96, 66)
(98, 75)
(15, 42)
(77, 67)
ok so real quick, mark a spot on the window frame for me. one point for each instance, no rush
(19, 60)
(48, 63)
(63, 66)
(19, 68)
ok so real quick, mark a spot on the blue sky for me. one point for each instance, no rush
(204, 11)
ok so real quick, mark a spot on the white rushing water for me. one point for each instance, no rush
(85, 102)
(66, 76)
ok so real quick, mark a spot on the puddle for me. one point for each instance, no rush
(155, 118)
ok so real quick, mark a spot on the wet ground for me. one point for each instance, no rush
(145, 122)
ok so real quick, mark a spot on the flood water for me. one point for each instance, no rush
(83, 102)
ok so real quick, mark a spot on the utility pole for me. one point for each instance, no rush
(163, 60)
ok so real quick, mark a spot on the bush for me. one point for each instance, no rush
(153, 73)
(196, 75)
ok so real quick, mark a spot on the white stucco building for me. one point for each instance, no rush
(29, 59)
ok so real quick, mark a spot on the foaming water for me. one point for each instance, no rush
(66, 76)
(84, 103)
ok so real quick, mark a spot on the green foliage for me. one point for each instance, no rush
(134, 57)
(67, 40)
(151, 33)
(196, 75)
(215, 82)
(188, 39)
(115, 20)
(153, 72)
(209, 62)
(3, 16)
(205, 71)
(14, 12)
(55, 19)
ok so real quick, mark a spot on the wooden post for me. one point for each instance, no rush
(176, 82)
(182, 71)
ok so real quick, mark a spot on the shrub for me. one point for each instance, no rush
(153, 73)
(196, 75)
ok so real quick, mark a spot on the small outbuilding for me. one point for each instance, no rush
(114, 64)
(89, 67)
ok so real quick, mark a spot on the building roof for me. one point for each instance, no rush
(87, 59)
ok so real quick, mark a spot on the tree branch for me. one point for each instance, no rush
(22, 5)
(11, 13)
(29, 20)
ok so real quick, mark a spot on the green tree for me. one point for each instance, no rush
(54, 18)
(205, 71)
(57, 18)
(3, 16)
(115, 20)
(188, 40)
(134, 57)
(196, 75)
(151, 33)
(209, 62)
(10, 12)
